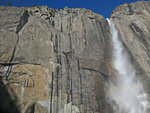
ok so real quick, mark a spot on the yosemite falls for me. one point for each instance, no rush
(126, 91)
(73, 60)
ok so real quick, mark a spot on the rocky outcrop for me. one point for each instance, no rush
(59, 61)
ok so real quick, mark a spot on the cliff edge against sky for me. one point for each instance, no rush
(59, 61)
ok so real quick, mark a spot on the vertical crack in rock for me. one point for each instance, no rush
(80, 82)
(61, 73)
(84, 32)
(51, 96)
(8, 72)
(56, 44)
(14, 50)
(57, 88)
(68, 77)
(71, 91)
(61, 30)
(70, 42)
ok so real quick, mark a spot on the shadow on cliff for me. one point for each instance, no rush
(7, 104)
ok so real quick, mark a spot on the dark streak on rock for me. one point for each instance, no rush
(51, 96)
(8, 63)
(130, 9)
(101, 73)
(80, 82)
(138, 32)
(23, 21)
(84, 29)
(8, 72)
(57, 88)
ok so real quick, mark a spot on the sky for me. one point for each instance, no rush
(103, 7)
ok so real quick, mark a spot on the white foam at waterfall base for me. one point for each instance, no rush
(126, 93)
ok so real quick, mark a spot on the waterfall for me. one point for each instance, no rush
(126, 93)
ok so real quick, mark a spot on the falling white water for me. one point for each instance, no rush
(126, 91)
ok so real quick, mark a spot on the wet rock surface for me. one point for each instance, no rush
(133, 24)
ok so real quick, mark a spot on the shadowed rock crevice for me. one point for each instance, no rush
(23, 21)
(8, 103)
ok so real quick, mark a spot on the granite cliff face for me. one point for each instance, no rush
(55, 60)
(133, 24)
(59, 61)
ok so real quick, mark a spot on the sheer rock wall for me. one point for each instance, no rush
(59, 61)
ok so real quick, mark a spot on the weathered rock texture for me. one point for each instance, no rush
(133, 24)
(58, 61)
